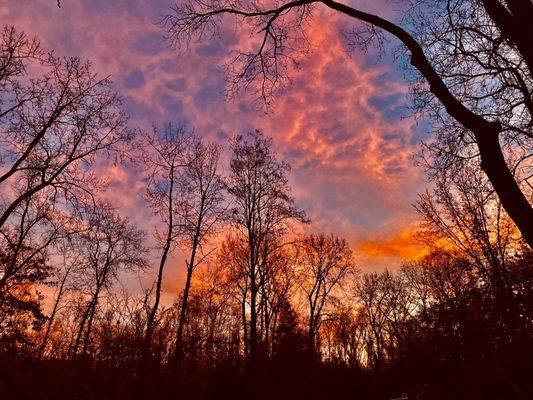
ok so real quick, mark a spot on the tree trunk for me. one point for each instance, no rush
(245, 327)
(311, 337)
(89, 329)
(252, 356)
(147, 342)
(60, 292)
(83, 321)
(514, 24)
(157, 299)
(184, 301)
(512, 199)
(183, 311)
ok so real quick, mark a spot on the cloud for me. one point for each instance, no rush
(401, 246)
(341, 123)
(134, 80)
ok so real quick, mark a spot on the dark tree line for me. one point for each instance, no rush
(265, 312)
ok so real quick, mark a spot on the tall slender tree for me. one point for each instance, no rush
(201, 210)
(110, 245)
(262, 209)
(162, 158)
(324, 262)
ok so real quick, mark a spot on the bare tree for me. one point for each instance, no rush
(278, 286)
(200, 211)
(110, 245)
(324, 262)
(56, 117)
(472, 56)
(53, 125)
(162, 157)
(16, 52)
(262, 208)
(185, 189)
(371, 292)
(70, 261)
(233, 258)
(464, 213)
(218, 320)
(36, 226)
(464, 218)
(343, 334)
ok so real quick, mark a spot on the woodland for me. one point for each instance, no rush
(269, 308)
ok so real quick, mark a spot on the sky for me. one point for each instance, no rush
(342, 124)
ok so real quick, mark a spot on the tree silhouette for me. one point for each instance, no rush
(277, 311)
(325, 262)
(201, 211)
(450, 44)
(110, 243)
(261, 209)
(162, 158)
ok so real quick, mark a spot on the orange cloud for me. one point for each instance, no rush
(402, 245)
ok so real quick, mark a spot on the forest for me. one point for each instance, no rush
(269, 306)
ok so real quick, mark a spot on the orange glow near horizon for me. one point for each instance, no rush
(401, 246)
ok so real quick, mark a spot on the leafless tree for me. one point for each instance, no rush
(16, 52)
(54, 123)
(218, 320)
(110, 245)
(185, 189)
(277, 289)
(200, 210)
(162, 158)
(324, 262)
(464, 213)
(262, 208)
(233, 258)
(473, 58)
(69, 261)
(344, 334)
(230, 278)
(56, 116)
(30, 248)
(36, 226)
(371, 292)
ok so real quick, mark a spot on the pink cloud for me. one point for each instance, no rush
(337, 123)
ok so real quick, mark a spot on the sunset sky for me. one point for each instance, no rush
(342, 124)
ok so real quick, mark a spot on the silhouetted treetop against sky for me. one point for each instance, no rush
(158, 241)
(471, 56)
(358, 165)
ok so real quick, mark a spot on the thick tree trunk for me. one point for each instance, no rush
(515, 24)
(512, 198)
